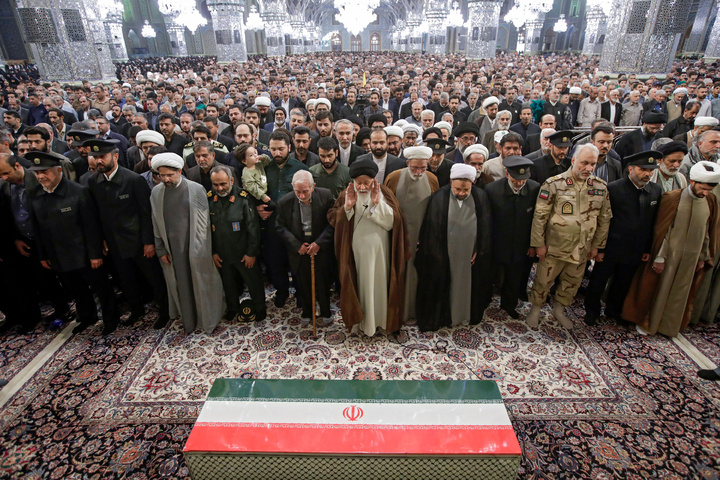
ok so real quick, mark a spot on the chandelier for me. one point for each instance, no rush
(254, 22)
(147, 31)
(110, 8)
(561, 25)
(603, 5)
(454, 18)
(527, 10)
(356, 15)
(185, 13)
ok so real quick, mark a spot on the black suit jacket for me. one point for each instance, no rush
(545, 167)
(513, 108)
(58, 146)
(631, 143)
(393, 163)
(406, 111)
(355, 152)
(289, 225)
(631, 227)
(125, 215)
(605, 112)
(650, 105)
(293, 102)
(443, 172)
(532, 143)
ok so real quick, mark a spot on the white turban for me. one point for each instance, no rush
(324, 101)
(167, 159)
(463, 171)
(705, 172)
(491, 100)
(394, 130)
(499, 135)
(421, 153)
(682, 90)
(477, 148)
(149, 136)
(444, 125)
(310, 103)
(575, 90)
(706, 122)
(411, 127)
(262, 102)
(400, 123)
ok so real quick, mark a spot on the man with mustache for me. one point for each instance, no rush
(668, 174)
(634, 201)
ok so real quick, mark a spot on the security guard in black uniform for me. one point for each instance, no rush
(513, 206)
(235, 241)
(123, 200)
(70, 240)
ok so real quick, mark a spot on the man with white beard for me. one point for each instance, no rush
(668, 175)
(503, 119)
(412, 187)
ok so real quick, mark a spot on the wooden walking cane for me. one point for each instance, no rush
(312, 283)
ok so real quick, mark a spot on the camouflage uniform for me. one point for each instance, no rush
(217, 146)
(571, 218)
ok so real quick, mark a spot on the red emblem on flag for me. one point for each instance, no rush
(353, 413)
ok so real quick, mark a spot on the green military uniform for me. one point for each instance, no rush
(571, 218)
(235, 233)
(219, 147)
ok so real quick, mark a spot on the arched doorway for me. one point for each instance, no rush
(336, 43)
(375, 45)
(355, 43)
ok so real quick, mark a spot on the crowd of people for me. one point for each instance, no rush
(415, 186)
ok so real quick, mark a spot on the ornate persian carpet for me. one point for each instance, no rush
(591, 403)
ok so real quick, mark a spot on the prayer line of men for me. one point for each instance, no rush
(564, 222)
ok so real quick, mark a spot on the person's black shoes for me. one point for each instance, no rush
(81, 327)
(708, 375)
(590, 320)
(512, 313)
(280, 300)
(161, 322)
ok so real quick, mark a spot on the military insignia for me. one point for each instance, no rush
(37, 161)
(232, 199)
(66, 210)
(214, 198)
(596, 192)
(522, 171)
(651, 160)
(213, 228)
(565, 139)
(77, 138)
(544, 194)
(96, 148)
(236, 226)
(437, 146)
(243, 193)
(568, 181)
(209, 194)
(567, 208)
(590, 182)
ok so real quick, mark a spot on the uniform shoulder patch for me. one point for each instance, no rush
(243, 193)
(189, 145)
(568, 181)
(209, 194)
(599, 181)
(544, 194)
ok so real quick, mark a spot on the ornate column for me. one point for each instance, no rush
(713, 46)
(533, 34)
(596, 26)
(177, 37)
(227, 19)
(67, 39)
(436, 12)
(414, 36)
(274, 16)
(646, 34)
(111, 13)
(694, 40)
(482, 35)
(297, 23)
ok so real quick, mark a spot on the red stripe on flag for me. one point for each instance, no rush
(353, 440)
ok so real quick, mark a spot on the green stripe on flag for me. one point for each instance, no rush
(387, 391)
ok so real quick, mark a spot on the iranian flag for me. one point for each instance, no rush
(345, 417)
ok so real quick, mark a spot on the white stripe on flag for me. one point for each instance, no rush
(459, 414)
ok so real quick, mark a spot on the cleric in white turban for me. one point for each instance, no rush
(169, 160)
(453, 257)
(150, 136)
(662, 298)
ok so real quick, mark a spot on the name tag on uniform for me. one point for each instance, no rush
(529, 210)
(66, 210)
(236, 226)
(123, 197)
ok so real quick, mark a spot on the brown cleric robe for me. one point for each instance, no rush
(647, 285)
(350, 306)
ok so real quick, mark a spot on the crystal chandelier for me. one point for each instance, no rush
(254, 22)
(110, 8)
(561, 25)
(356, 15)
(454, 18)
(527, 10)
(185, 13)
(147, 31)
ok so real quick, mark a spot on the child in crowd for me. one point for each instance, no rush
(254, 180)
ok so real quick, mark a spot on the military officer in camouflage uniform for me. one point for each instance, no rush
(235, 226)
(571, 222)
(201, 133)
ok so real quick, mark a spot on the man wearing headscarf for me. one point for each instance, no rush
(371, 247)
(181, 223)
(661, 296)
(453, 254)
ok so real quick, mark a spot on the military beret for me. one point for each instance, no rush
(363, 167)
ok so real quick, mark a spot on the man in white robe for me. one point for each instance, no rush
(184, 245)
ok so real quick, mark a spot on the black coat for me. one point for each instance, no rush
(512, 217)
(605, 112)
(432, 262)
(513, 108)
(355, 152)
(532, 143)
(235, 226)
(677, 126)
(125, 216)
(633, 142)
(67, 226)
(631, 227)
(289, 226)
(545, 167)
(177, 144)
(393, 163)
(443, 172)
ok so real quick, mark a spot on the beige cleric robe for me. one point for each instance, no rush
(707, 298)
(413, 198)
(461, 239)
(206, 283)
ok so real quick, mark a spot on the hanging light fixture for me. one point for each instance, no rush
(356, 15)
(454, 18)
(527, 10)
(110, 8)
(561, 25)
(184, 12)
(147, 31)
(254, 21)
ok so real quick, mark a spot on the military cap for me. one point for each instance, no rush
(363, 167)
(646, 159)
(467, 127)
(42, 160)
(518, 167)
(437, 145)
(654, 117)
(561, 139)
(100, 146)
(80, 132)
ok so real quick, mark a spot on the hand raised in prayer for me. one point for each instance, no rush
(149, 251)
(217, 260)
(303, 249)
(313, 249)
(350, 196)
(541, 252)
(248, 261)
(95, 263)
(375, 192)
(165, 259)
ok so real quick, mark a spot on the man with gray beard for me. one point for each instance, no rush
(668, 174)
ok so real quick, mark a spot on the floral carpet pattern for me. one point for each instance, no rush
(600, 402)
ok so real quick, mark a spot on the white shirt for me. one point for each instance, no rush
(612, 112)
(381, 163)
(345, 154)
(110, 177)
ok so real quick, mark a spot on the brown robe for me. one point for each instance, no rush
(350, 307)
(642, 293)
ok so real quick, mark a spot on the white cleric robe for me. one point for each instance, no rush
(371, 249)
(413, 197)
(461, 240)
(208, 297)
